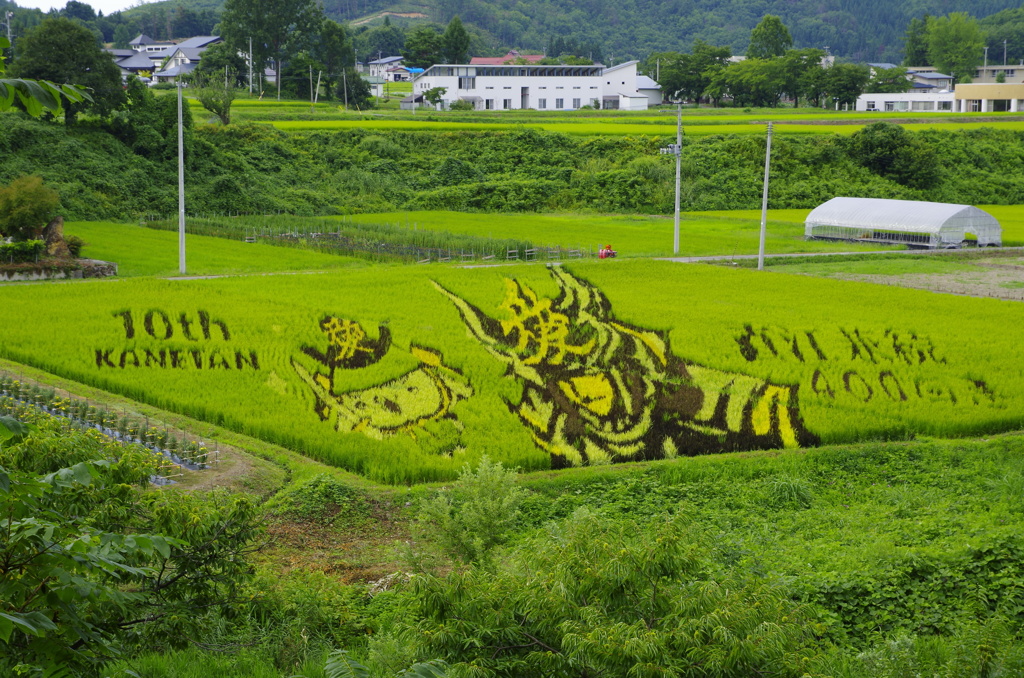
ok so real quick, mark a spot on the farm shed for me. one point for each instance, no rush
(909, 222)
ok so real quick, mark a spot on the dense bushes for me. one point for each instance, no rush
(128, 168)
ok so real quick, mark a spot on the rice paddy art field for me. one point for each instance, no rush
(406, 373)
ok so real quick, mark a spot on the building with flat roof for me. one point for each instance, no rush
(522, 86)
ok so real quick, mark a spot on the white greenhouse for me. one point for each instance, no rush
(908, 222)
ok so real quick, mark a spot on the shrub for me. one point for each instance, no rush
(18, 252)
(26, 206)
(479, 513)
(75, 245)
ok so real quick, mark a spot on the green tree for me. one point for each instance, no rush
(770, 38)
(477, 514)
(381, 41)
(886, 80)
(276, 27)
(435, 95)
(123, 35)
(26, 206)
(217, 58)
(955, 44)
(797, 63)
(845, 82)
(753, 82)
(915, 46)
(455, 42)
(890, 151)
(334, 49)
(215, 95)
(35, 96)
(90, 563)
(357, 88)
(62, 50)
(423, 48)
(690, 74)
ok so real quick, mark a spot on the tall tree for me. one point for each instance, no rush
(455, 42)
(217, 58)
(690, 74)
(845, 82)
(423, 48)
(955, 44)
(122, 36)
(62, 50)
(770, 38)
(915, 47)
(383, 41)
(797, 64)
(885, 80)
(271, 24)
(334, 49)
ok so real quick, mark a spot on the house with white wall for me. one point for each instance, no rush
(521, 86)
(378, 68)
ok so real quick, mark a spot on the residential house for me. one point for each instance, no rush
(379, 67)
(184, 57)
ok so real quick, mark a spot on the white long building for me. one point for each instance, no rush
(559, 88)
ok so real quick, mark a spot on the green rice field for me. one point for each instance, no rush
(140, 251)
(701, 234)
(404, 374)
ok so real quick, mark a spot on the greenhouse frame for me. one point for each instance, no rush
(902, 222)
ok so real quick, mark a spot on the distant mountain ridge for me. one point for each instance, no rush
(860, 30)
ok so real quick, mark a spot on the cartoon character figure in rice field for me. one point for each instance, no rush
(402, 405)
(597, 390)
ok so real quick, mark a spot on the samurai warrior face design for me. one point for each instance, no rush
(596, 390)
(404, 404)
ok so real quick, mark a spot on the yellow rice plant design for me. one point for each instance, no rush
(597, 390)
(402, 405)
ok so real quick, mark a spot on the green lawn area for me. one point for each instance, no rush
(631, 235)
(142, 251)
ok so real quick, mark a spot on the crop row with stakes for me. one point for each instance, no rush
(17, 397)
(405, 374)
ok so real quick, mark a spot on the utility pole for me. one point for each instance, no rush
(986, 56)
(1004, 51)
(676, 150)
(764, 200)
(181, 186)
(250, 65)
(679, 157)
(311, 106)
(344, 85)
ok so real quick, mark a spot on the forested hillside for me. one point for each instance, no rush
(128, 168)
(862, 30)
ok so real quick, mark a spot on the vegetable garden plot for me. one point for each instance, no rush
(404, 375)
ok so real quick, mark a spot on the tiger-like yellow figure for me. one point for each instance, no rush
(597, 390)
